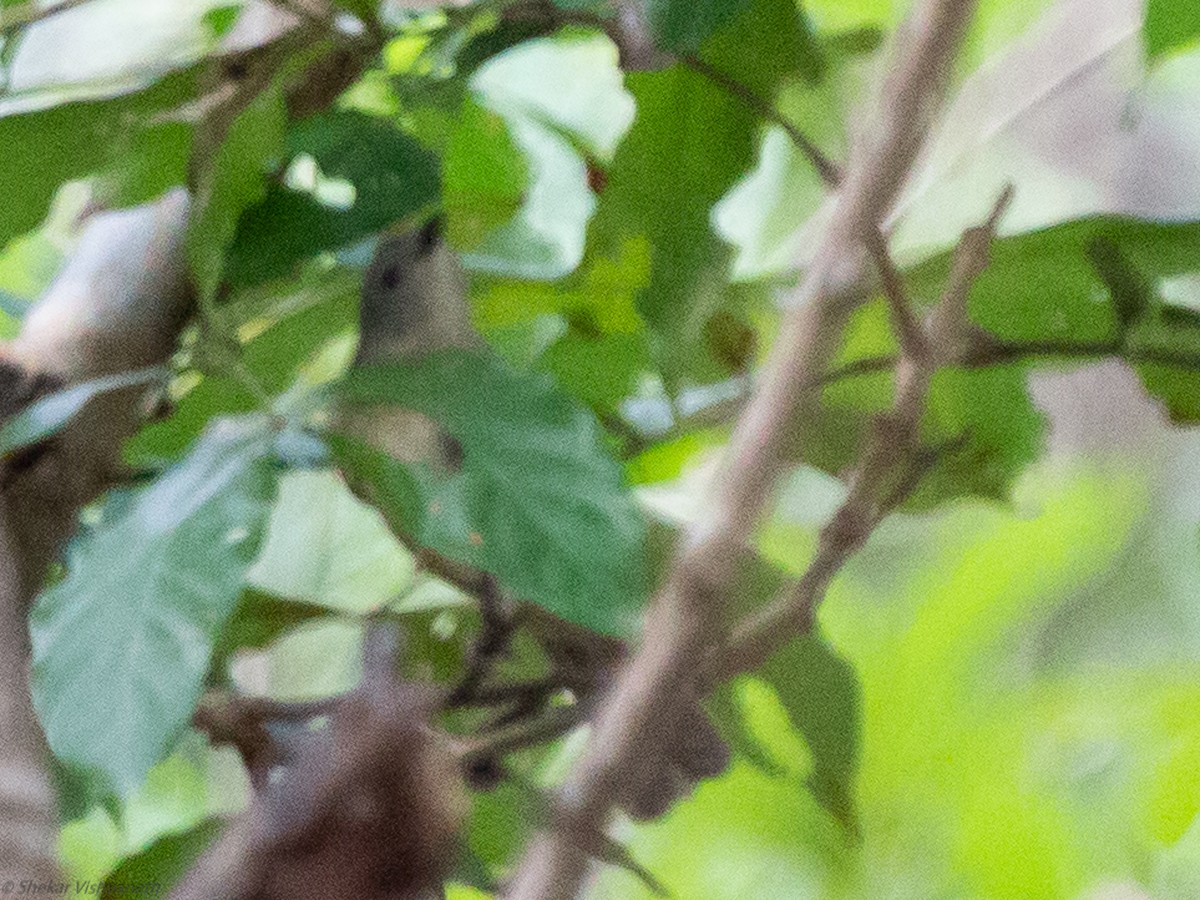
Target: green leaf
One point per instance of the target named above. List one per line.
(726, 713)
(385, 174)
(985, 431)
(49, 147)
(258, 620)
(162, 864)
(537, 501)
(121, 645)
(484, 176)
(324, 546)
(583, 329)
(564, 106)
(220, 19)
(1044, 289)
(50, 414)
(388, 486)
(1128, 289)
(153, 160)
(823, 699)
(1170, 25)
(683, 25)
(231, 184)
(1043, 285)
(691, 141)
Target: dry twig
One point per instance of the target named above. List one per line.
(690, 606)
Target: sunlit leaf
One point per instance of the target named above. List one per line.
(1170, 25)
(588, 110)
(324, 546)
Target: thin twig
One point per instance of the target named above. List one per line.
(909, 332)
(891, 467)
(826, 168)
(524, 734)
(493, 641)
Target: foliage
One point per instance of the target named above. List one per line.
(962, 719)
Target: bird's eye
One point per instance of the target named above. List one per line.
(390, 279)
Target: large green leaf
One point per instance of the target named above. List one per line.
(1054, 289)
(324, 546)
(231, 183)
(1170, 25)
(46, 148)
(389, 176)
(537, 500)
(121, 645)
(1067, 295)
(692, 139)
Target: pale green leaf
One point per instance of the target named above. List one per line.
(121, 645)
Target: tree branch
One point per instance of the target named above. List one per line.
(890, 468)
(909, 333)
(690, 606)
(826, 168)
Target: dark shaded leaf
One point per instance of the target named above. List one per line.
(538, 501)
(392, 176)
(1128, 289)
(682, 26)
(232, 183)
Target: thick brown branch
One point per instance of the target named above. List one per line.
(688, 610)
